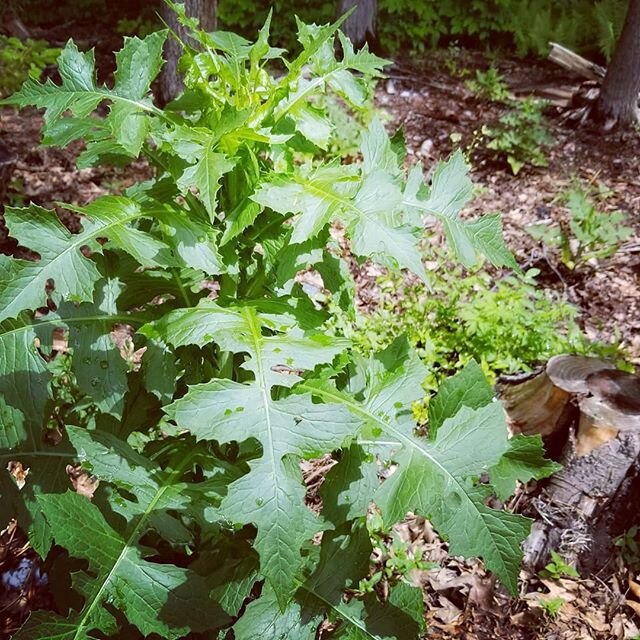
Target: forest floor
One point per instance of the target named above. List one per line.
(440, 113)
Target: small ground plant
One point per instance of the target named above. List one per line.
(462, 317)
(558, 568)
(588, 236)
(203, 373)
(520, 135)
(551, 606)
(21, 60)
(628, 547)
(489, 85)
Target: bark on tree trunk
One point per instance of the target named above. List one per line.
(7, 165)
(617, 105)
(361, 24)
(205, 11)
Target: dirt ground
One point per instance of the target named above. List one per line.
(435, 107)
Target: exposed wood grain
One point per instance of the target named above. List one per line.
(575, 63)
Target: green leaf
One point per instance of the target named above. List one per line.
(348, 487)
(485, 234)
(263, 619)
(326, 72)
(369, 208)
(409, 599)
(23, 282)
(436, 478)
(24, 378)
(192, 239)
(152, 595)
(523, 461)
(160, 370)
(344, 560)
(46, 473)
(451, 190)
(451, 187)
(157, 598)
(112, 460)
(239, 219)
(317, 197)
(377, 151)
(271, 496)
(138, 63)
(112, 217)
(524, 458)
(12, 427)
(468, 388)
(205, 175)
(375, 232)
(24, 385)
(101, 371)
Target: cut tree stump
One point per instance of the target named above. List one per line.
(588, 413)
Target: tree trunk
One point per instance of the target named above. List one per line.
(361, 24)
(617, 105)
(7, 165)
(170, 81)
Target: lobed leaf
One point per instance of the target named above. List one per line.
(127, 124)
(158, 598)
(271, 495)
(436, 479)
(451, 189)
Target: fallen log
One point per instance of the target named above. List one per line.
(575, 63)
(581, 105)
(588, 413)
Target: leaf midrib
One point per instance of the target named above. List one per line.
(316, 82)
(407, 441)
(18, 453)
(256, 337)
(345, 615)
(129, 543)
(81, 240)
(105, 94)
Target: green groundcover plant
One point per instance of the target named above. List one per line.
(461, 317)
(520, 136)
(19, 60)
(588, 236)
(196, 421)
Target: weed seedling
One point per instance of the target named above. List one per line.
(558, 568)
(589, 236)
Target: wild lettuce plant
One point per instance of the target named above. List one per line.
(230, 379)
